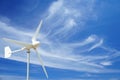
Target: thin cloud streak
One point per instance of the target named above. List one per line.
(96, 45)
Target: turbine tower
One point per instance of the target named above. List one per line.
(27, 46)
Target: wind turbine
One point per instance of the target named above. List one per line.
(27, 46)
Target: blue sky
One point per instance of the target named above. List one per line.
(79, 39)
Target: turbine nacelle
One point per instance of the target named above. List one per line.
(35, 44)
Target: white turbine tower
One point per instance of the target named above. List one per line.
(27, 46)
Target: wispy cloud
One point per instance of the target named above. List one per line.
(69, 16)
(96, 45)
(67, 19)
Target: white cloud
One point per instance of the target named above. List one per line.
(106, 63)
(62, 55)
(66, 16)
(11, 30)
(56, 6)
(70, 23)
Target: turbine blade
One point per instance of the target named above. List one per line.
(42, 64)
(37, 31)
(17, 42)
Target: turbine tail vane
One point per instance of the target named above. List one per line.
(8, 52)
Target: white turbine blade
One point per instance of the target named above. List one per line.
(37, 31)
(17, 42)
(42, 64)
